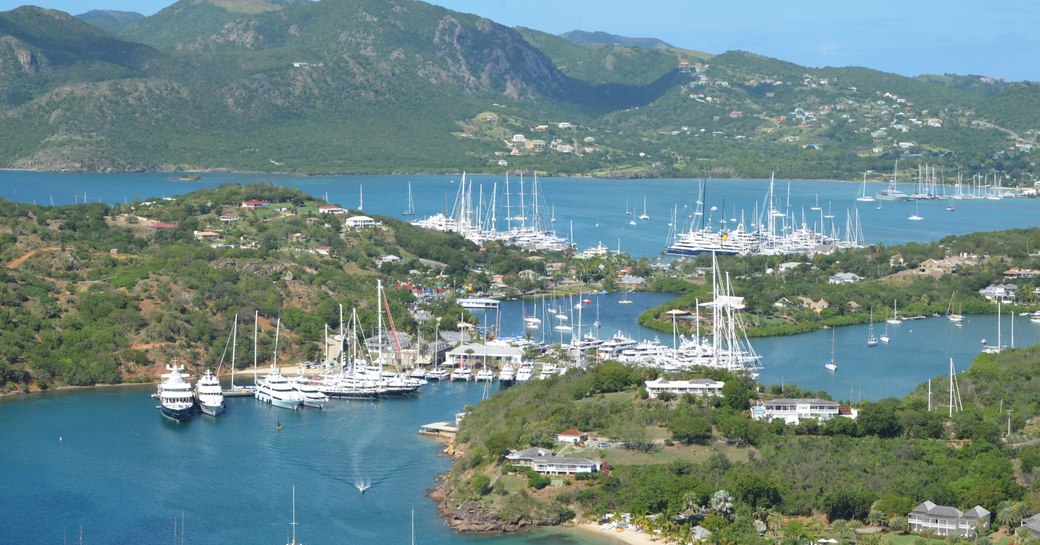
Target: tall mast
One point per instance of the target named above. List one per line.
(234, 340)
(256, 329)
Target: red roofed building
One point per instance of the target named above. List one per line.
(254, 204)
(160, 226)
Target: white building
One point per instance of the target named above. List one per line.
(795, 409)
(844, 278)
(560, 465)
(476, 354)
(697, 387)
(359, 222)
(944, 520)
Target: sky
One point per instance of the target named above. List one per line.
(997, 38)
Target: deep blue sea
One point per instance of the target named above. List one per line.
(596, 208)
(104, 460)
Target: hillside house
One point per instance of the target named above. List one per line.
(572, 436)
(1032, 524)
(253, 204)
(331, 209)
(229, 218)
(1003, 292)
(793, 410)
(359, 222)
(844, 278)
(815, 306)
(945, 521)
(701, 387)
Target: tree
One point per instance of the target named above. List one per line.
(756, 490)
(722, 503)
(690, 429)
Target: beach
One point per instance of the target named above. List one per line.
(628, 537)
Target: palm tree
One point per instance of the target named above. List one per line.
(774, 522)
(722, 503)
(841, 527)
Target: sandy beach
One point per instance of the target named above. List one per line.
(627, 537)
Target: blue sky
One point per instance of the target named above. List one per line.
(909, 37)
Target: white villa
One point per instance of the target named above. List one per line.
(944, 520)
(793, 410)
(359, 222)
(698, 387)
(547, 462)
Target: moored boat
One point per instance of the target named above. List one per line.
(209, 395)
(176, 401)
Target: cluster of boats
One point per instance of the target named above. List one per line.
(773, 231)
(529, 229)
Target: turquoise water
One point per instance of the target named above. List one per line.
(105, 460)
(595, 207)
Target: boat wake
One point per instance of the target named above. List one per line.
(362, 484)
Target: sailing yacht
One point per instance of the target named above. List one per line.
(832, 365)
(885, 338)
(816, 207)
(644, 216)
(624, 299)
(863, 197)
(916, 216)
(174, 394)
(409, 208)
(894, 320)
(209, 395)
(872, 339)
(950, 314)
(892, 193)
(991, 349)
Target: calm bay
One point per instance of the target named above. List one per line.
(104, 459)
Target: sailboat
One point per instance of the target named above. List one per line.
(832, 365)
(293, 523)
(990, 349)
(624, 299)
(644, 216)
(950, 314)
(409, 208)
(830, 212)
(628, 212)
(816, 207)
(361, 198)
(863, 197)
(885, 338)
(872, 339)
(916, 216)
(949, 205)
(894, 320)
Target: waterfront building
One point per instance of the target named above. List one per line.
(476, 354)
(701, 387)
(944, 520)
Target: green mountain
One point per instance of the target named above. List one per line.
(371, 86)
(582, 37)
(111, 21)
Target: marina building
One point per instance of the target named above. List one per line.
(699, 387)
(477, 354)
(944, 520)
